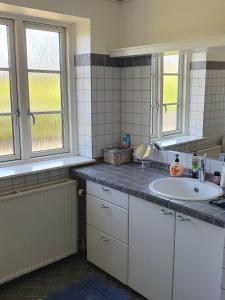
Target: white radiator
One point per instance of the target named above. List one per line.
(37, 227)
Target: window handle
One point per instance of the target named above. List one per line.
(165, 106)
(16, 115)
(32, 116)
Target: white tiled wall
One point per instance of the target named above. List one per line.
(214, 113)
(83, 97)
(196, 103)
(135, 103)
(167, 157)
(112, 100)
(116, 100)
(7, 185)
(105, 108)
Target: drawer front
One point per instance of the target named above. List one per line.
(108, 194)
(107, 253)
(108, 217)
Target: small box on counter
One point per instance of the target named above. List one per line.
(117, 155)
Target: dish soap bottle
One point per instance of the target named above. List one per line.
(194, 165)
(176, 168)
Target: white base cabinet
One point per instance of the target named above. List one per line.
(198, 259)
(161, 254)
(107, 230)
(151, 249)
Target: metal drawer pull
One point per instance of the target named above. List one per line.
(182, 219)
(103, 206)
(104, 239)
(105, 190)
(166, 213)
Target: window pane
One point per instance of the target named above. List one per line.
(47, 132)
(44, 92)
(5, 102)
(43, 49)
(170, 63)
(170, 118)
(170, 89)
(6, 136)
(4, 60)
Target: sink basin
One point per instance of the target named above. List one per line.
(185, 189)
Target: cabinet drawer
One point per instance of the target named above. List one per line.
(108, 217)
(108, 194)
(107, 253)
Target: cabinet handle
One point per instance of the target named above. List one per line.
(103, 238)
(182, 219)
(166, 213)
(103, 206)
(105, 190)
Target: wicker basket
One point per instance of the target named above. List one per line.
(116, 156)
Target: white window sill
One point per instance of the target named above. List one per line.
(34, 167)
(177, 140)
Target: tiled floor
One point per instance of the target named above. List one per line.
(55, 277)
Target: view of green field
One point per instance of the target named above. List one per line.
(170, 91)
(44, 96)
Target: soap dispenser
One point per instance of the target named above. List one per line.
(176, 168)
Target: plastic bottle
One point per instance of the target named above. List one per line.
(194, 165)
(176, 168)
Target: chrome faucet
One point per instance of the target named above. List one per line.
(201, 170)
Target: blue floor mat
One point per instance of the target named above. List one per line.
(92, 288)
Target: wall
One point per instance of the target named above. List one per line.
(136, 98)
(106, 117)
(197, 94)
(138, 22)
(156, 21)
(11, 184)
(98, 103)
(104, 17)
(113, 97)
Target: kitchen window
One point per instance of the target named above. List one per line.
(33, 90)
(169, 94)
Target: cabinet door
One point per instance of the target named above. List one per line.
(151, 249)
(107, 253)
(198, 259)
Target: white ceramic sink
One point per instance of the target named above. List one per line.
(185, 189)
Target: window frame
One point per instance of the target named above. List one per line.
(157, 105)
(63, 86)
(13, 92)
(21, 94)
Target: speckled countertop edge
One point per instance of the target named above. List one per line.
(129, 178)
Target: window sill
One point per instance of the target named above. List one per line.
(177, 140)
(34, 167)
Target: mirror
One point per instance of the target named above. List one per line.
(206, 111)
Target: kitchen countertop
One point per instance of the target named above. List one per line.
(131, 179)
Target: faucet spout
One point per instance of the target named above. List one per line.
(201, 170)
